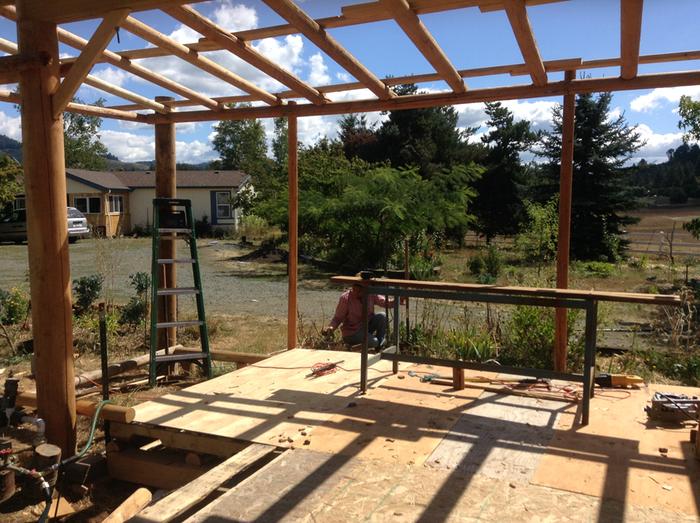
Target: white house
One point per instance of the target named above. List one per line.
(116, 202)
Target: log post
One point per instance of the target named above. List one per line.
(166, 187)
(47, 233)
(293, 183)
(561, 334)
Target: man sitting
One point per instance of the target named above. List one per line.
(348, 315)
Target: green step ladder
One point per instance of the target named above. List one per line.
(172, 218)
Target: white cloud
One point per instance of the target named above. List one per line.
(231, 17)
(319, 70)
(112, 75)
(130, 147)
(194, 152)
(286, 52)
(11, 126)
(656, 143)
(654, 99)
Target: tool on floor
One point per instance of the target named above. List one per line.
(618, 380)
(323, 368)
(172, 219)
(667, 406)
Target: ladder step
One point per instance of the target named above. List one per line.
(174, 231)
(167, 261)
(177, 291)
(181, 357)
(184, 323)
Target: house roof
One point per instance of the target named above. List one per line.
(129, 180)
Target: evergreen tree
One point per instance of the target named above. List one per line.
(83, 148)
(499, 204)
(601, 189)
(358, 138)
(280, 144)
(241, 146)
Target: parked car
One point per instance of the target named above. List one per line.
(13, 227)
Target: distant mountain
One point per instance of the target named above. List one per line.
(10, 147)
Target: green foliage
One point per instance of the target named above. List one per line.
(693, 227)
(87, 289)
(598, 269)
(135, 311)
(640, 263)
(601, 188)
(83, 148)
(252, 226)
(280, 144)
(14, 306)
(676, 178)
(476, 265)
(10, 175)
(241, 145)
(141, 282)
(499, 205)
(202, 228)
(487, 266)
(689, 112)
(538, 241)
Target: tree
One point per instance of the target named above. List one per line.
(358, 138)
(689, 111)
(10, 186)
(499, 205)
(241, 145)
(280, 144)
(601, 190)
(538, 241)
(83, 148)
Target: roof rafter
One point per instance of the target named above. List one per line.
(114, 59)
(310, 28)
(82, 66)
(517, 16)
(191, 18)
(630, 36)
(424, 41)
(205, 64)
(74, 10)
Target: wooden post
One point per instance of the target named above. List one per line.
(561, 334)
(166, 187)
(47, 232)
(293, 230)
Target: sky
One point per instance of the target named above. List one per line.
(589, 29)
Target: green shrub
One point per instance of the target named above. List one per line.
(141, 282)
(87, 289)
(202, 228)
(252, 226)
(422, 268)
(640, 263)
(136, 311)
(599, 269)
(476, 265)
(493, 261)
(14, 306)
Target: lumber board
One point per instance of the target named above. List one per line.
(157, 468)
(630, 36)
(130, 506)
(179, 501)
(625, 297)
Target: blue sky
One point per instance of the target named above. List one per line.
(588, 29)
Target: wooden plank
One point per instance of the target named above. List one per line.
(245, 358)
(149, 34)
(80, 69)
(74, 10)
(153, 468)
(179, 439)
(181, 500)
(630, 36)
(240, 48)
(586, 85)
(293, 227)
(313, 31)
(130, 506)
(627, 297)
(517, 16)
(420, 36)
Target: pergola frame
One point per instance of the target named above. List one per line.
(35, 64)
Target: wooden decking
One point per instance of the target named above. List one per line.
(415, 451)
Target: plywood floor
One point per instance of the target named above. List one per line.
(420, 449)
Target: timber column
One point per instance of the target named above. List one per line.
(293, 226)
(166, 187)
(561, 330)
(47, 233)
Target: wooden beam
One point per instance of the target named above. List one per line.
(293, 229)
(561, 330)
(18, 63)
(47, 235)
(375, 11)
(517, 16)
(73, 10)
(630, 36)
(80, 69)
(191, 18)
(310, 28)
(166, 187)
(493, 94)
(424, 41)
(205, 64)
(116, 60)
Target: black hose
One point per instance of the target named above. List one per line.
(46, 489)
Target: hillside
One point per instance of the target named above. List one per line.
(10, 147)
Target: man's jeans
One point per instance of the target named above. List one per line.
(376, 332)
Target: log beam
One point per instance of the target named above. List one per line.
(81, 68)
(74, 10)
(293, 228)
(561, 330)
(424, 41)
(205, 64)
(47, 233)
(310, 28)
(191, 18)
(517, 16)
(630, 36)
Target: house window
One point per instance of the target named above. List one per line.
(19, 203)
(223, 205)
(88, 205)
(116, 204)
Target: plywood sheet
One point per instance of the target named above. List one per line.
(617, 456)
(310, 486)
(268, 402)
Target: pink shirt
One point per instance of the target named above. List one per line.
(349, 311)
